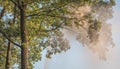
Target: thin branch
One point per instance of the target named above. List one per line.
(49, 10)
(64, 17)
(50, 30)
(14, 2)
(9, 39)
(2, 13)
(37, 13)
(14, 13)
(30, 2)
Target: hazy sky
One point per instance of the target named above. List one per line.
(79, 57)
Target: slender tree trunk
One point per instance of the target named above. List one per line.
(7, 65)
(24, 47)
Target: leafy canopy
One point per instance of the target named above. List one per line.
(45, 18)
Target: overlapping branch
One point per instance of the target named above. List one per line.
(9, 39)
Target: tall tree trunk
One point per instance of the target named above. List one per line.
(7, 65)
(24, 47)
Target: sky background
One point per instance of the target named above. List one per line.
(79, 57)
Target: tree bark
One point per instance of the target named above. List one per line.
(7, 65)
(24, 45)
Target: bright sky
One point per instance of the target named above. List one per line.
(79, 57)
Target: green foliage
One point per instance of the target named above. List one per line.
(3, 49)
(44, 20)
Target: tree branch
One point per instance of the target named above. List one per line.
(30, 2)
(49, 10)
(13, 2)
(64, 17)
(2, 13)
(50, 30)
(9, 39)
(16, 4)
